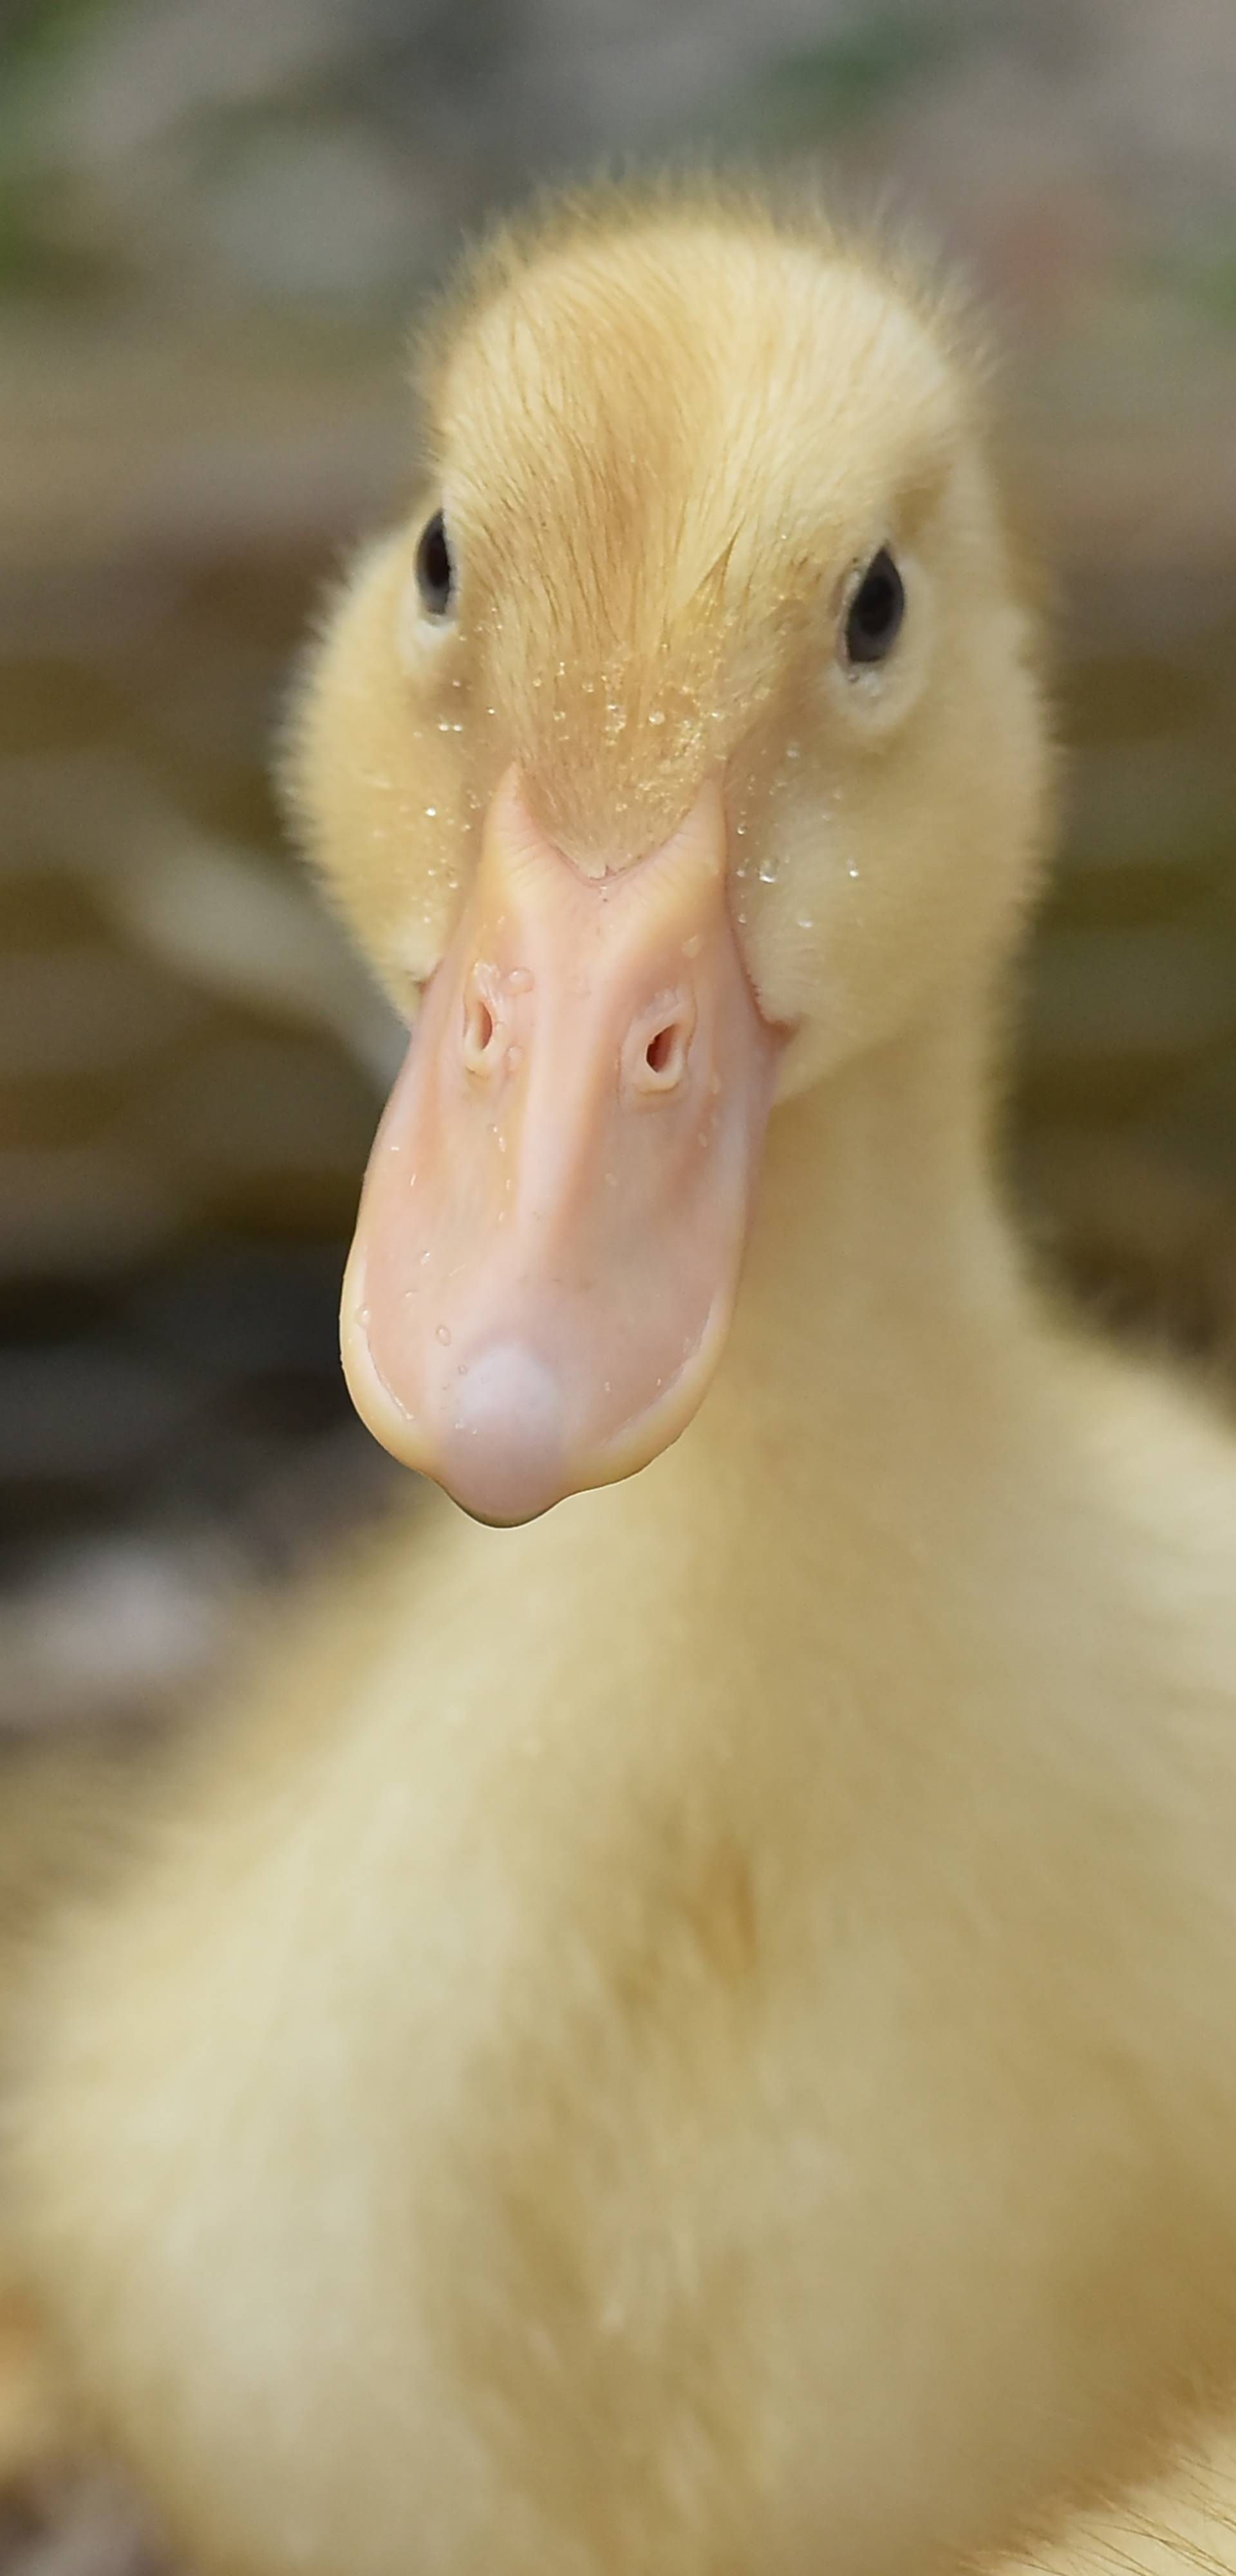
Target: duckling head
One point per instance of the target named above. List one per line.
(683, 744)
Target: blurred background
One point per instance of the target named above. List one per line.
(215, 217)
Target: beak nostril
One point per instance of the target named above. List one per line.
(478, 1035)
(658, 1046)
(665, 1056)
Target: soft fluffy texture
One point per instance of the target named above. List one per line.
(670, 435)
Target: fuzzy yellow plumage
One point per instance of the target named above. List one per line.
(694, 2036)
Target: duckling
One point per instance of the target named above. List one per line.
(679, 2021)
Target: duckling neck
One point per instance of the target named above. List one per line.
(881, 1261)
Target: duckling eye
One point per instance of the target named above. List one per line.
(876, 611)
(435, 570)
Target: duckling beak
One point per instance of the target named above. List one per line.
(553, 1221)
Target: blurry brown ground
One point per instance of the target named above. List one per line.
(214, 216)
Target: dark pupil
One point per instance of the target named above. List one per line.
(876, 612)
(435, 572)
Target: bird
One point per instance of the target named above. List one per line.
(676, 2015)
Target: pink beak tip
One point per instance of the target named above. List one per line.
(503, 1455)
